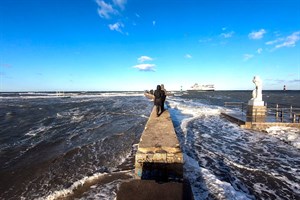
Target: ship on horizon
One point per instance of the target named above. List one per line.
(196, 87)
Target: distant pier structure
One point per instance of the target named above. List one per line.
(256, 116)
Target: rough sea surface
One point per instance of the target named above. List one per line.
(82, 145)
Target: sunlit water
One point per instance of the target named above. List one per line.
(83, 147)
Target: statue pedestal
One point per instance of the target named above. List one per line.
(256, 102)
(256, 111)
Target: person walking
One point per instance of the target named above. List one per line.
(158, 99)
(164, 97)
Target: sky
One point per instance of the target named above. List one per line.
(134, 45)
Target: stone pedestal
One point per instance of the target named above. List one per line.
(256, 113)
(256, 102)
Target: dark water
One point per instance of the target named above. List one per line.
(83, 146)
(47, 144)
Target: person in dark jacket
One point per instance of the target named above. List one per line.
(158, 100)
(164, 97)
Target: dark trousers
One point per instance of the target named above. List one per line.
(158, 109)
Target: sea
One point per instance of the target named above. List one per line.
(81, 145)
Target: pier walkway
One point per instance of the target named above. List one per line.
(159, 148)
(158, 164)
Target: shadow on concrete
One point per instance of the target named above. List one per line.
(151, 190)
(162, 172)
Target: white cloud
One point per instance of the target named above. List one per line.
(120, 3)
(145, 67)
(248, 56)
(154, 22)
(289, 41)
(105, 10)
(255, 35)
(116, 27)
(227, 35)
(274, 41)
(259, 50)
(144, 58)
(188, 56)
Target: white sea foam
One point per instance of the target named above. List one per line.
(71, 95)
(203, 181)
(195, 109)
(77, 118)
(34, 132)
(287, 134)
(210, 183)
(66, 192)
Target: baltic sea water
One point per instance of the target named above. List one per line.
(82, 145)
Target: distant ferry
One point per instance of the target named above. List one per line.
(197, 87)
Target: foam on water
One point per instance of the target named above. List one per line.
(50, 95)
(74, 186)
(287, 134)
(83, 143)
(58, 146)
(227, 162)
(209, 183)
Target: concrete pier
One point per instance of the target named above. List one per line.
(159, 155)
(151, 190)
(158, 164)
(242, 121)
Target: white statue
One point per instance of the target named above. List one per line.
(256, 93)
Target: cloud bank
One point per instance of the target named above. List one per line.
(227, 35)
(145, 67)
(105, 10)
(255, 35)
(248, 56)
(188, 56)
(116, 27)
(144, 58)
(110, 11)
(289, 41)
(120, 3)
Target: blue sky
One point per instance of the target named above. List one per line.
(101, 45)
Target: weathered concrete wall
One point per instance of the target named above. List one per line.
(256, 113)
(262, 126)
(151, 190)
(158, 164)
(159, 151)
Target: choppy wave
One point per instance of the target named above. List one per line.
(287, 134)
(227, 162)
(50, 95)
(83, 147)
(58, 146)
